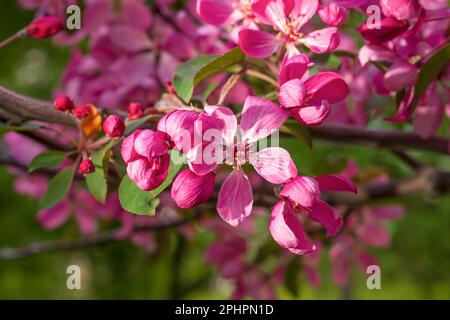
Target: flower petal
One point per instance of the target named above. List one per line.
(257, 43)
(150, 143)
(127, 151)
(400, 75)
(322, 213)
(214, 12)
(334, 182)
(323, 40)
(295, 68)
(292, 93)
(287, 230)
(149, 174)
(328, 86)
(179, 126)
(260, 118)
(203, 159)
(274, 164)
(302, 190)
(229, 121)
(312, 115)
(304, 10)
(235, 199)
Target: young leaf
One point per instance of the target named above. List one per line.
(57, 188)
(430, 71)
(190, 73)
(96, 181)
(46, 160)
(298, 131)
(136, 200)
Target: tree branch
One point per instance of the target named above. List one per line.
(27, 108)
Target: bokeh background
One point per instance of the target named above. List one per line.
(415, 266)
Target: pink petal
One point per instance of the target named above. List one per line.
(322, 213)
(179, 125)
(260, 118)
(204, 158)
(302, 190)
(214, 12)
(235, 199)
(401, 74)
(257, 43)
(400, 9)
(392, 212)
(292, 93)
(229, 120)
(334, 182)
(54, 217)
(136, 14)
(312, 115)
(274, 164)
(149, 174)
(374, 234)
(333, 14)
(150, 143)
(86, 220)
(189, 190)
(295, 68)
(272, 12)
(429, 112)
(372, 52)
(128, 152)
(323, 40)
(287, 230)
(328, 86)
(304, 10)
(129, 38)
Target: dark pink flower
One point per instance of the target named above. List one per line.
(189, 189)
(146, 154)
(308, 99)
(113, 126)
(333, 14)
(287, 17)
(44, 27)
(389, 29)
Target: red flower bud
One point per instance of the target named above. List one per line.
(82, 111)
(86, 166)
(390, 28)
(189, 190)
(64, 103)
(135, 111)
(44, 28)
(113, 126)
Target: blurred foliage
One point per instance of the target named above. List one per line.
(415, 266)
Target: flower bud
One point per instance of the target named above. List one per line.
(64, 103)
(333, 14)
(86, 166)
(389, 29)
(135, 111)
(44, 28)
(82, 111)
(189, 190)
(113, 126)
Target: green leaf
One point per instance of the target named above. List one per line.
(136, 200)
(57, 188)
(96, 181)
(430, 71)
(298, 131)
(292, 277)
(142, 202)
(46, 160)
(190, 73)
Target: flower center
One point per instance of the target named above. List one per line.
(290, 31)
(244, 7)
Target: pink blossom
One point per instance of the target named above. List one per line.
(287, 18)
(44, 27)
(146, 154)
(333, 14)
(308, 100)
(113, 126)
(400, 9)
(390, 28)
(189, 189)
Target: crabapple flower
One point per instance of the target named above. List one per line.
(390, 28)
(301, 195)
(135, 111)
(86, 166)
(145, 153)
(400, 9)
(308, 100)
(113, 126)
(287, 18)
(82, 111)
(189, 189)
(63, 103)
(333, 14)
(44, 27)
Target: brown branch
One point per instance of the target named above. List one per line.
(32, 109)
(378, 138)
(82, 243)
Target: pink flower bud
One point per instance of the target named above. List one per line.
(64, 103)
(189, 190)
(113, 126)
(82, 111)
(86, 166)
(333, 14)
(44, 28)
(400, 9)
(135, 111)
(390, 28)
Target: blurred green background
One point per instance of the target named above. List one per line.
(416, 266)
